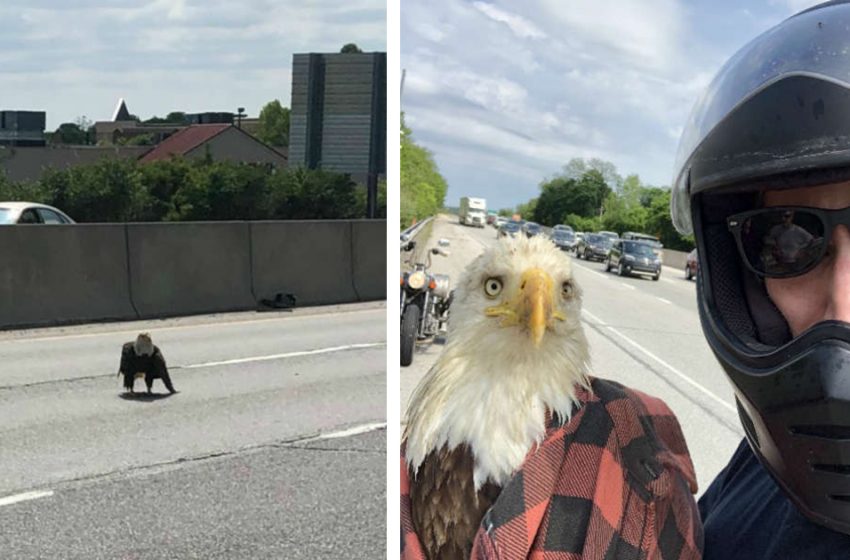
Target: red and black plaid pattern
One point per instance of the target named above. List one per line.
(616, 482)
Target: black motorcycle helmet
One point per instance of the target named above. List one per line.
(776, 115)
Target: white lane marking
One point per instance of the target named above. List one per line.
(353, 431)
(602, 274)
(286, 355)
(684, 377)
(607, 276)
(664, 300)
(36, 338)
(9, 500)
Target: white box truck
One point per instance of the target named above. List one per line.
(473, 211)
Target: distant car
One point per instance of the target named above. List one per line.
(497, 223)
(491, 218)
(594, 246)
(531, 229)
(31, 213)
(630, 257)
(562, 227)
(564, 239)
(509, 229)
(610, 234)
(691, 265)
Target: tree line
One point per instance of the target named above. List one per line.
(191, 190)
(589, 195)
(423, 189)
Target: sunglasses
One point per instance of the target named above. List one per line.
(784, 241)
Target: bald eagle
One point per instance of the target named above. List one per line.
(516, 352)
(141, 358)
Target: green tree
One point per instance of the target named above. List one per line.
(577, 167)
(422, 188)
(350, 48)
(623, 211)
(660, 224)
(564, 194)
(70, 133)
(274, 124)
(312, 194)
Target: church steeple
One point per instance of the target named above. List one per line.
(121, 112)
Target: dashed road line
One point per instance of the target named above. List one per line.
(661, 299)
(329, 350)
(348, 432)
(681, 375)
(26, 496)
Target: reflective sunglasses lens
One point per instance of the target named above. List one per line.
(782, 242)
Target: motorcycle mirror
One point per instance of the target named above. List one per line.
(409, 246)
(443, 242)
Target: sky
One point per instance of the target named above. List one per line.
(74, 58)
(505, 93)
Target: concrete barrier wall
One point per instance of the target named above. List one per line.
(369, 242)
(186, 268)
(311, 259)
(70, 274)
(674, 259)
(60, 274)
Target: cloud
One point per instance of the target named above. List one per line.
(166, 55)
(520, 26)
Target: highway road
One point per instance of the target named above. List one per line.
(274, 446)
(642, 333)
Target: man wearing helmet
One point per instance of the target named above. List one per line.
(763, 182)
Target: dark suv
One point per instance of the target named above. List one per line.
(633, 257)
(594, 247)
(565, 239)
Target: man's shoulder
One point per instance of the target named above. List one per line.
(746, 515)
(634, 412)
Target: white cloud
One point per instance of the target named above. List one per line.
(647, 32)
(520, 26)
(73, 58)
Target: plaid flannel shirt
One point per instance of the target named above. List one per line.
(615, 482)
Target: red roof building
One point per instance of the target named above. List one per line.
(223, 142)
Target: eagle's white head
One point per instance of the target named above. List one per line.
(143, 346)
(515, 348)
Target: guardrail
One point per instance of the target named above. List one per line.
(98, 272)
(414, 230)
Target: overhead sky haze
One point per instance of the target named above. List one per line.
(77, 58)
(505, 93)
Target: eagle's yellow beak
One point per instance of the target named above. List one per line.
(532, 305)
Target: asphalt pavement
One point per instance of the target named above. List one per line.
(642, 333)
(275, 446)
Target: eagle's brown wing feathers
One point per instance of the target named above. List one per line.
(446, 509)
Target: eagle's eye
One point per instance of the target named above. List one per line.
(493, 286)
(567, 290)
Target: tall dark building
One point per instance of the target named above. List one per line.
(22, 128)
(338, 118)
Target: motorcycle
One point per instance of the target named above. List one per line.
(425, 300)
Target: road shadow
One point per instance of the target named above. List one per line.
(144, 397)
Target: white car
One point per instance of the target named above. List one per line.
(31, 213)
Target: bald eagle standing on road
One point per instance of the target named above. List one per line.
(513, 373)
(142, 358)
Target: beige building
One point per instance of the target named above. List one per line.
(223, 142)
